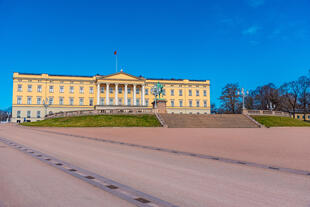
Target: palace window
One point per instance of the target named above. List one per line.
(71, 101)
(164, 92)
(128, 90)
(28, 114)
(204, 103)
(111, 101)
(189, 92)
(39, 88)
(91, 101)
(181, 103)
(204, 92)
(129, 102)
(19, 100)
(61, 100)
(180, 92)
(146, 91)
(29, 100)
(146, 102)
(172, 92)
(91, 90)
(137, 102)
(81, 101)
(51, 89)
(20, 88)
(120, 101)
(61, 89)
(29, 88)
(120, 90)
(190, 103)
(101, 89)
(197, 92)
(197, 103)
(172, 103)
(38, 114)
(71, 89)
(51, 100)
(39, 100)
(137, 90)
(111, 90)
(101, 101)
(81, 89)
(18, 114)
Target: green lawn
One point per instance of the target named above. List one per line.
(145, 120)
(276, 121)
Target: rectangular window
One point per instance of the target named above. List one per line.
(129, 102)
(91, 101)
(172, 103)
(204, 92)
(18, 114)
(137, 90)
(29, 100)
(101, 101)
(164, 92)
(91, 90)
(120, 101)
(61, 89)
(197, 92)
(120, 90)
(19, 100)
(101, 89)
(128, 90)
(29, 88)
(81, 102)
(180, 92)
(197, 103)
(71, 89)
(181, 103)
(204, 103)
(146, 91)
(39, 100)
(71, 101)
(137, 102)
(20, 88)
(39, 88)
(28, 114)
(51, 100)
(111, 101)
(146, 102)
(172, 92)
(190, 103)
(38, 114)
(51, 89)
(189, 92)
(81, 89)
(110, 90)
(61, 100)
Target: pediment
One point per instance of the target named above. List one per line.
(121, 76)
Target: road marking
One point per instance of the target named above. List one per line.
(176, 152)
(124, 192)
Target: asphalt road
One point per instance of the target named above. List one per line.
(181, 180)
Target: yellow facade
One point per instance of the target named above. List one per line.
(69, 93)
(300, 116)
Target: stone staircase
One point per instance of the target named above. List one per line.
(208, 121)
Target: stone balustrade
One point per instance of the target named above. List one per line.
(265, 113)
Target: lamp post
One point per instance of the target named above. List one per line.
(244, 94)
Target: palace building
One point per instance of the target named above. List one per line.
(36, 95)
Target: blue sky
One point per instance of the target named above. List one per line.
(251, 42)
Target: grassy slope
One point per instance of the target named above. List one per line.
(275, 121)
(99, 121)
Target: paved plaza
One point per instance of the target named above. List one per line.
(178, 179)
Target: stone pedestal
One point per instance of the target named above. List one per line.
(160, 106)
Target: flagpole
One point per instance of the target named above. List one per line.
(116, 64)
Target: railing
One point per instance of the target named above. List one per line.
(265, 113)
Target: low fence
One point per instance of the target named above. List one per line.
(101, 112)
(265, 113)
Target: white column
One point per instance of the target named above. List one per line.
(125, 96)
(134, 95)
(143, 95)
(98, 93)
(107, 94)
(116, 93)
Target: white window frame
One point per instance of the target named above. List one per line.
(29, 88)
(81, 89)
(39, 88)
(19, 87)
(29, 100)
(51, 89)
(61, 89)
(19, 100)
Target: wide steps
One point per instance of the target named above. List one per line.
(208, 121)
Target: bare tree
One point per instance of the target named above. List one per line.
(230, 99)
(265, 96)
(304, 85)
(290, 92)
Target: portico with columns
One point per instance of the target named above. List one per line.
(120, 89)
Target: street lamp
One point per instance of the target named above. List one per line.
(244, 94)
(46, 105)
